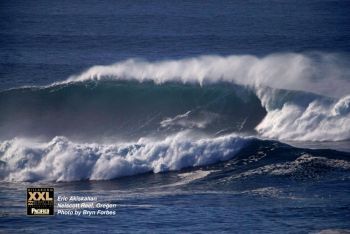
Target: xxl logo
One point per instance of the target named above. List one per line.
(39, 196)
(40, 201)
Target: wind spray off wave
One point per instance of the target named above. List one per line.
(320, 73)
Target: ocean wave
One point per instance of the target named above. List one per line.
(302, 117)
(320, 73)
(298, 97)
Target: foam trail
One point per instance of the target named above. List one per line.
(63, 160)
(184, 120)
(321, 73)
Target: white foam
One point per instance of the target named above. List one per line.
(63, 160)
(319, 121)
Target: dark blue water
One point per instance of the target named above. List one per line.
(179, 157)
(43, 41)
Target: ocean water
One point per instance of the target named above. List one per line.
(191, 116)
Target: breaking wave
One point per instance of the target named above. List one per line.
(138, 116)
(295, 97)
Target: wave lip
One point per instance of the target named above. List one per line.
(62, 160)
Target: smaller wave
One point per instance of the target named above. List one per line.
(63, 160)
(305, 166)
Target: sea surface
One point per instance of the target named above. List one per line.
(191, 116)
